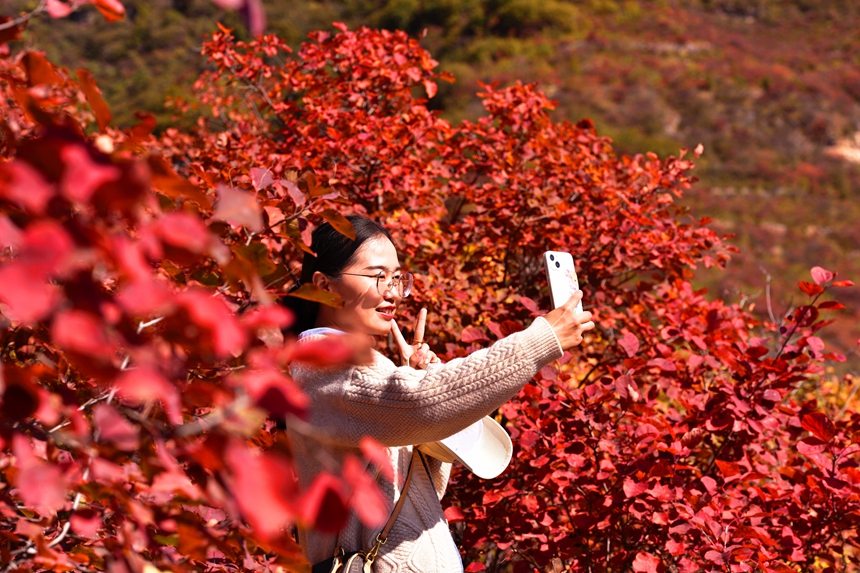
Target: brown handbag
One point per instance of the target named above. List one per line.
(341, 562)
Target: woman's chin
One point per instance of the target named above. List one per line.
(381, 326)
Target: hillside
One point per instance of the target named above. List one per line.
(770, 87)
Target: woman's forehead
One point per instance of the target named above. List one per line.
(376, 253)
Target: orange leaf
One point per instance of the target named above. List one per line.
(819, 425)
(810, 288)
(112, 10)
(39, 70)
(314, 293)
(169, 183)
(340, 223)
(94, 97)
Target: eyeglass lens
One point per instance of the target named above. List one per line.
(402, 284)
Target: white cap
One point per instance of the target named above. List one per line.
(484, 447)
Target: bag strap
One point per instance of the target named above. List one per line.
(383, 535)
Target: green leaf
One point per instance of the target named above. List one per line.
(339, 222)
(315, 294)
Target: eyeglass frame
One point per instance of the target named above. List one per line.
(381, 275)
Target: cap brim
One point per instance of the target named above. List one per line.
(484, 448)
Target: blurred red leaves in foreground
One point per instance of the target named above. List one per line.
(145, 377)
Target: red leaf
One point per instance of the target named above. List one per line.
(91, 90)
(662, 364)
(184, 230)
(261, 178)
(239, 207)
(45, 252)
(24, 186)
(255, 17)
(39, 70)
(819, 425)
(715, 557)
(112, 10)
(366, 500)
(263, 488)
(86, 522)
(26, 300)
(294, 192)
(340, 223)
(58, 9)
(472, 334)
(729, 469)
(270, 315)
(312, 292)
(431, 88)
(377, 454)
(323, 506)
(530, 305)
(11, 236)
(82, 332)
(454, 514)
(332, 351)
(831, 304)
(40, 485)
(629, 343)
(229, 4)
(165, 179)
(646, 563)
(144, 385)
(632, 488)
(82, 176)
(211, 314)
(112, 427)
(843, 283)
(274, 392)
(811, 446)
(475, 566)
(710, 484)
(145, 297)
(810, 288)
(820, 275)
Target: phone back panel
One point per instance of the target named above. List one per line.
(561, 275)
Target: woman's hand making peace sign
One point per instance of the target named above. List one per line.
(417, 354)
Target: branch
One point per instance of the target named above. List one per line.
(42, 7)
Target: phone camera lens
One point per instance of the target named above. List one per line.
(552, 257)
(557, 264)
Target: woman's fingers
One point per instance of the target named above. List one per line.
(420, 323)
(398, 337)
(568, 324)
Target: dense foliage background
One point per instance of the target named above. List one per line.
(145, 380)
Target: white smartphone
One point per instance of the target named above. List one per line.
(561, 275)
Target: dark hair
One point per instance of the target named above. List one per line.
(334, 252)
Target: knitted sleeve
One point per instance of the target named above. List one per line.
(402, 406)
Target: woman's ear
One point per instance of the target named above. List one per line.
(322, 281)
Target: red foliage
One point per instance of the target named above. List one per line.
(142, 354)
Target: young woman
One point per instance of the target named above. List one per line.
(419, 402)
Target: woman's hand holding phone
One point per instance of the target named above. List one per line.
(418, 353)
(568, 324)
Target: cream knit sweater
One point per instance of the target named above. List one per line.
(399, 407)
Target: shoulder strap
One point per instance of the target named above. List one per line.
(396, 511)
(383, 535)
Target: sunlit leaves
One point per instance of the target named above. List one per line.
(88, 83)
(314, 293)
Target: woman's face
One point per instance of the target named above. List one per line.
(365, 311)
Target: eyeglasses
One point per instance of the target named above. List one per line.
(401, 284)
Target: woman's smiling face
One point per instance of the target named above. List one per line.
(365, 310)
